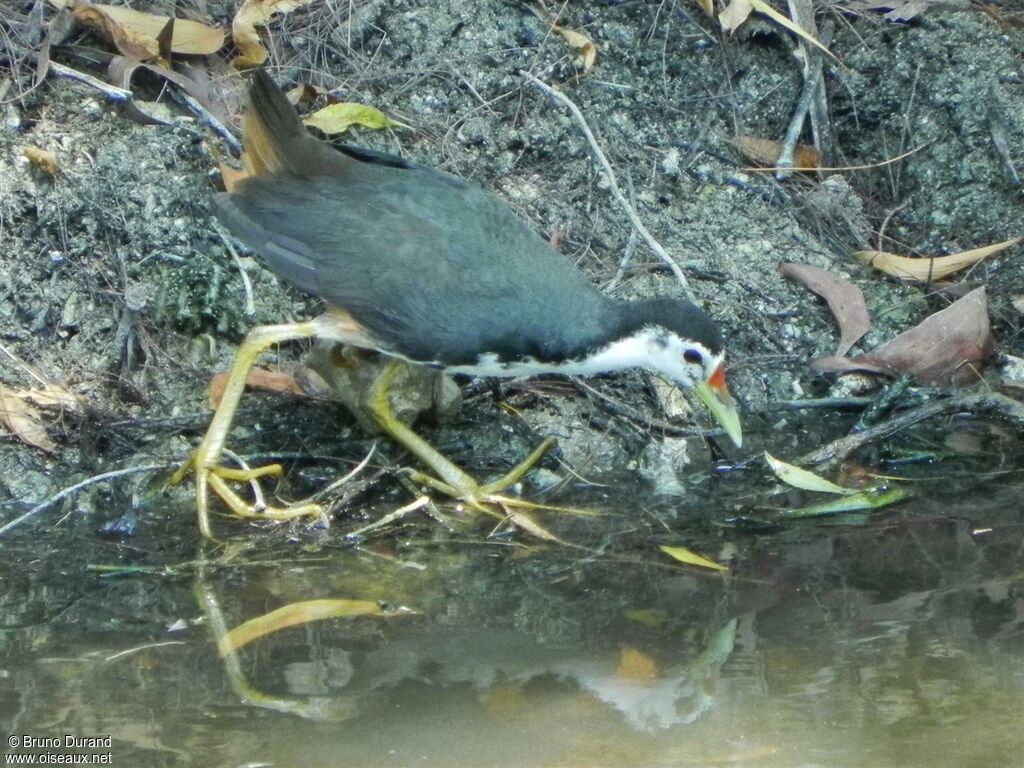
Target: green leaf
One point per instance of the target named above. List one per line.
(874, 499)
(801, 478)
(338, 118)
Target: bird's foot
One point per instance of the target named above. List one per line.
(210, 475)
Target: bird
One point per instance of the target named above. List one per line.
(430, 269)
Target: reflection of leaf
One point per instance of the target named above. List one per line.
(252, 14)
(135, 33)
(636, 666)
(23, 420)
(684, 555)
(927, 269)
(295, 614)
(844, 299)
(338, 118)
(874, 499)
(801, 478)
(946, 348)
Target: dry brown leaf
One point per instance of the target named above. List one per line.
(928, 269)
(23, 420)
(135, 33)
(844, 298)
(767, 151)
(44, 160)
(583, 45)
(252, 14)
(257, 378)
(948, 347)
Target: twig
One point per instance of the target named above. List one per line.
(250, 305)
(389, 518)
(827, 403)
(206, 117)
(70, 490)
(839, 449)
(112, 92)
(812, 96)
(634, 219)
(323, 493)
(24, 366)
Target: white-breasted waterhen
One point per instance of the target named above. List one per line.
(422, 266)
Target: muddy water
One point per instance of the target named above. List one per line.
(891, 640)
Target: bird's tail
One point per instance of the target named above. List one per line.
(275, 140)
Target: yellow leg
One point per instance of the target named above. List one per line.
(450, 479)
(205, 460)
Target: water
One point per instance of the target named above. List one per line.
(896, 641)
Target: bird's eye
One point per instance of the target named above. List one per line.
(693, 356)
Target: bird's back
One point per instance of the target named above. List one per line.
(438, 269)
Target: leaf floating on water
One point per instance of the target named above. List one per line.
(801, 478)
(927, 269)
(844, 298)
(859, 501)
(296, 614)
(684, 555)
(338, 118)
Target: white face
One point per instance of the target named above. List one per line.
(685, 362)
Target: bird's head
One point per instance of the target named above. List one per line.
(680, 341)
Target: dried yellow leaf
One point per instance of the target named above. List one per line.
(252, 14)
(23, 421)
(684, 555)
(338, 118)
(135, 33)
(928, 269)
(43, 159)
(708, 6)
